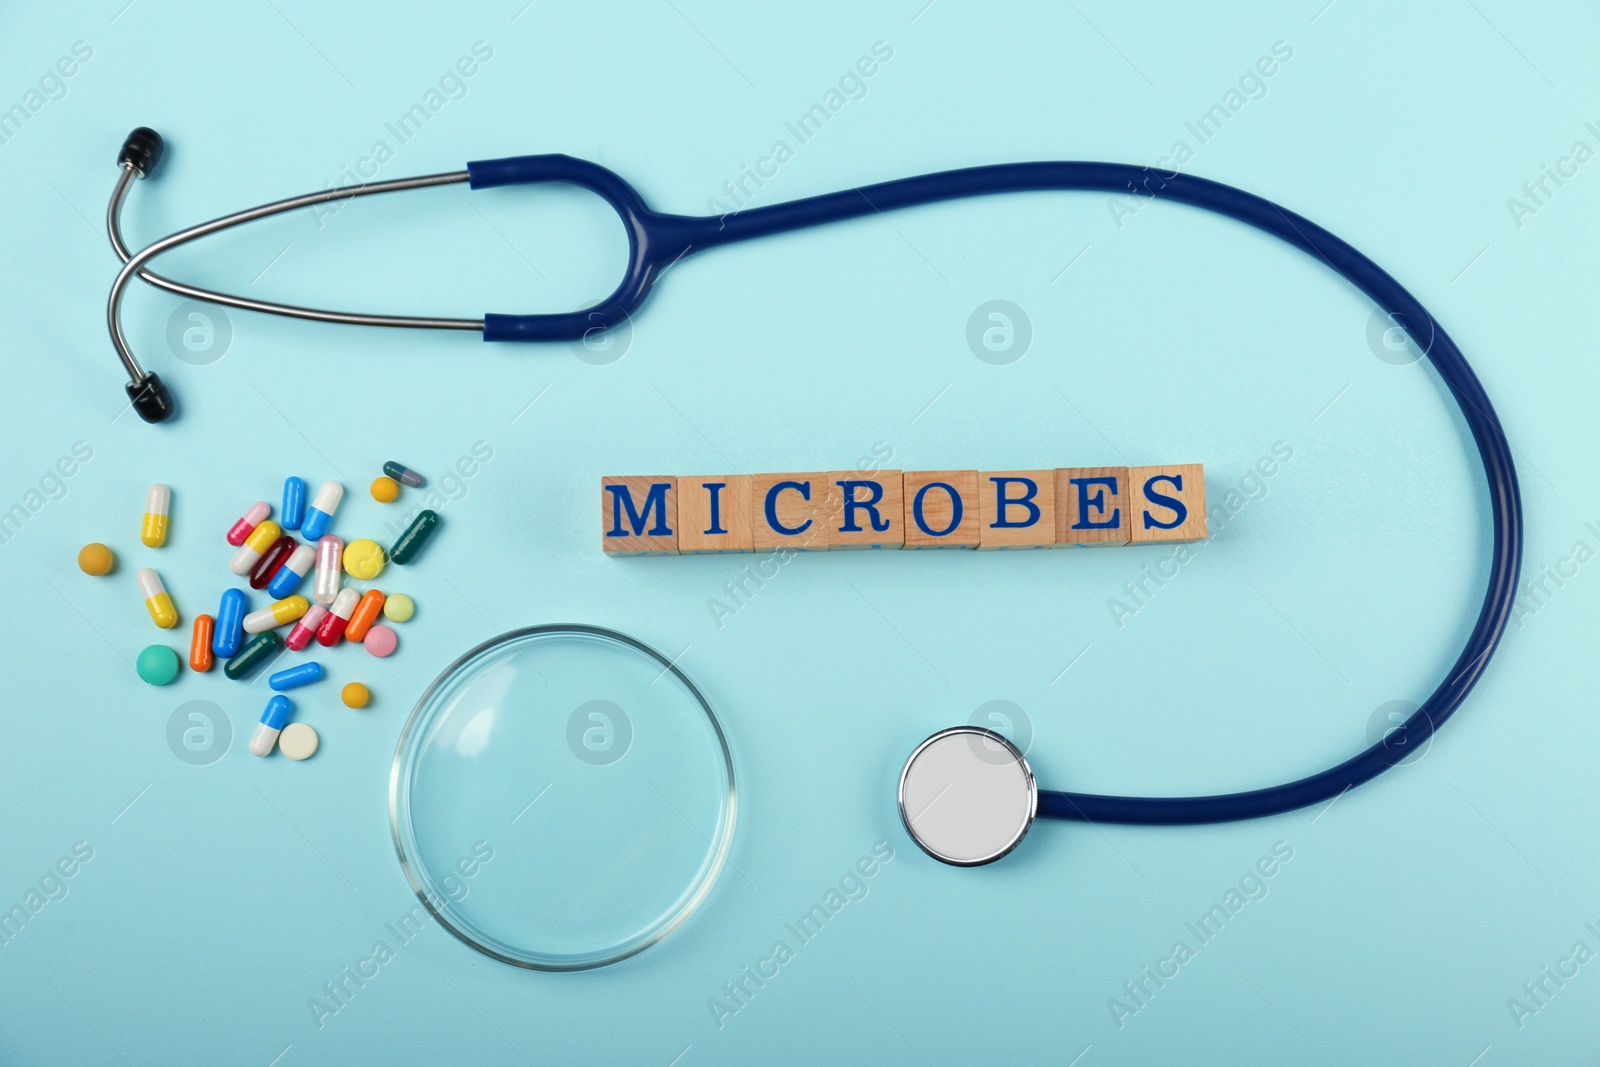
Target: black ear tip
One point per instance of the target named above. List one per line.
(151, 399)
(142, 150)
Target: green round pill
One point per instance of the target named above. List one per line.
(398, 608)
(157, 665)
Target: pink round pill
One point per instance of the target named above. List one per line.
(380, 641)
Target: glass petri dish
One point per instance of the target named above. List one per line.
(562, 798)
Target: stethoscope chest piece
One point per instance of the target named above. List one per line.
(967, 796)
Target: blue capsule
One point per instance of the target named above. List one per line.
(296, 676)
(229, 633)
(320, 515)
(273, 720)
(293, 571)
(294, 503)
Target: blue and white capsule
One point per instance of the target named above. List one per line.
(294, 503)
(320, 515)
(296, 676)
(229, 633)
(293, 571)
(280, 709)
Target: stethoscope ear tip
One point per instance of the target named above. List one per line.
(141, 151)
(150, 398)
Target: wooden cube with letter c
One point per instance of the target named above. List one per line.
(789, 511)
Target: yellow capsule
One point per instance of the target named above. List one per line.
(278, 613)
(262, 536)
(156, 600)
(255, 546)
(154, 530)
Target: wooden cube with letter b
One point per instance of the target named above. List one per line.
(1018, 509)
(639, 515)
(1167, 503)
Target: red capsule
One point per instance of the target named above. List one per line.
(273, 558)
(333, 624)
(241, 529)
(302, 632)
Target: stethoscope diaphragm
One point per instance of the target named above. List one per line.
(967, 796)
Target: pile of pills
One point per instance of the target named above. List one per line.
(269, 557)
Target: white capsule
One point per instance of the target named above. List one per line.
(255, 546)
(153, 530)
(344, 605)
(293, 571)
(319, 516)
(279, 710)
(330, 563)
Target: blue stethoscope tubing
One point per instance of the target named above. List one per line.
(656, 241)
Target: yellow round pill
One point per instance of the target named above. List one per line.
(385, 489)
(96, 559)
(398, 608)
(364, 559)
(355, 695)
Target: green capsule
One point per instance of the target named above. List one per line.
(410, 543)
(253, 655)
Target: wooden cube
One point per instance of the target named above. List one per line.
(866, 510)
(714, 514)
(789, 511)
(1092, 506)
(1167, 503)
(1017, 508)
(639, 515)
(942, 509)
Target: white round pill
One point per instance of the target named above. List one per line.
(298, 741)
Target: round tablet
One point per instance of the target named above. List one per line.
(380, 641)
(157, 665)
(96, 559)
(363, 559)
(967, 796)
(384, 490)
(298, 741)
(355, 695)
(399, 608)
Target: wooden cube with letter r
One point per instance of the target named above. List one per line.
(866, 510)
(639, 515)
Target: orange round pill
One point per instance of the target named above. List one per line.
(384, 490)
(355, 695)
(96, 559)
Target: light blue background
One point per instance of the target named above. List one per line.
(221, 898)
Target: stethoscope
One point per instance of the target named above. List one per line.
(967, 795)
